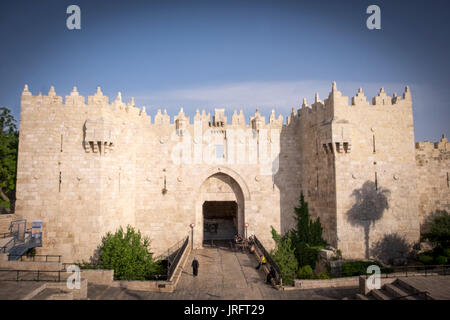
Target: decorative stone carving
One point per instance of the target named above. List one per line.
(98, 136)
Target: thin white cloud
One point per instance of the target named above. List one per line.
(263, 95)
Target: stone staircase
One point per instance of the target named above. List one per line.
(397, 290)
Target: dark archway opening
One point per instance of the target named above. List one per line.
(219, 220)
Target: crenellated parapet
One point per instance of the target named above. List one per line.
(98, 99)
(238, 119)
(74, 99)
(427, 146)
(334, 110)
(162, 118)
(334, 120)
(181, 122)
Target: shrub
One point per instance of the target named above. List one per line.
(446, 252)
(323, 275)
(305, 272)
(425, 259)
(306, 255)
(439, 229)
(284, 257)
(31, 253)
(441, 260)
(127, 253)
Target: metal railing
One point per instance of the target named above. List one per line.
(173, 263)
(425, 270)
(32, 275)
(8, 246)
(270, 261)
(32, 258)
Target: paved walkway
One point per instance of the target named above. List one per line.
(437, 286)
(223, 274)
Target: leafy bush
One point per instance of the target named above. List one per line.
(446, 252)
(31, 253)
(305, 272)
(306, 255)
(425, 259)
(439, 229)
(127, 253)
(284, 257)
(323, 275)
(441, 260)
(9, 143)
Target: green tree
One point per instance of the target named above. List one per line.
(307, 230)
(9, 142)
(284, 257)
(128, 254)
(306, 236)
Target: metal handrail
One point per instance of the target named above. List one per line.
(37, 272)
(445, 269)
(7, 246)
(173, 265)
(33, 257)
(269, 259)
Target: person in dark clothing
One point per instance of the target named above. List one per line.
(195, 266)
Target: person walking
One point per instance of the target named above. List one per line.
(195, 266)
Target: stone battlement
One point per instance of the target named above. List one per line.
(430, 146)
(318, 112)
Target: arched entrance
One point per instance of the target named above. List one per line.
(220, 209)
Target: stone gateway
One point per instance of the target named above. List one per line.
(87, 167)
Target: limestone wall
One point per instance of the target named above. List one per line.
(433, 181)
(87, 167)
(373, 147)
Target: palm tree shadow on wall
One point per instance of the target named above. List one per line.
(370, 203)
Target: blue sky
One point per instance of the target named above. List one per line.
(234, 54)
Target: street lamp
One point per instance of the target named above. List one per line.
(192, 225)
(246, 226)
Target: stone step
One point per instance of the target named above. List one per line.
(406, 286)
(398, 291)
(48, 294)
(380, 294)
(361, 297)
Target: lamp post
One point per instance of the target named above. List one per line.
(192, 225)
(246, 226)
